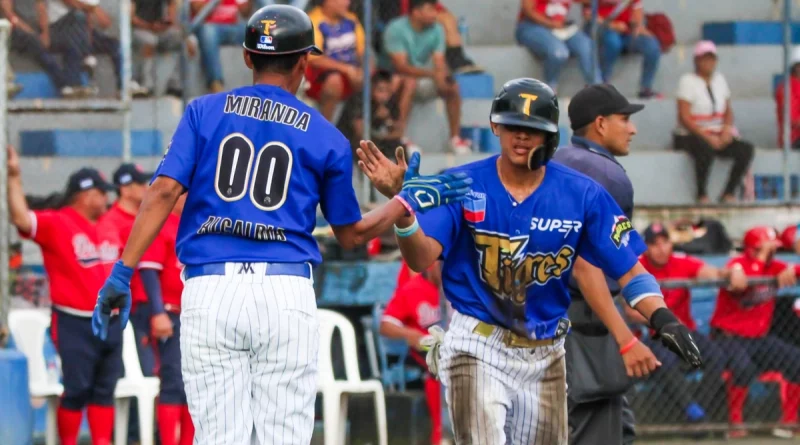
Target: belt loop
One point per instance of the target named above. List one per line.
(311, 273)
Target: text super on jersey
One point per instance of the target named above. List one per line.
(508, 263)
(257, 162)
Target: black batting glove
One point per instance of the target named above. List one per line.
(676, 337)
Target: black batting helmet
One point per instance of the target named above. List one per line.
(530, 103)
(280, 29)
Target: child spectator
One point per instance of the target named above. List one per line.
(543, 29)
(705, 123)
(337, 73)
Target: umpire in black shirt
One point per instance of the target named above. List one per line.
(596, 361)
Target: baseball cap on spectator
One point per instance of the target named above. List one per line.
(131, 174)
(598, 100)
(704, 47)
(84, 179)
(653, 231)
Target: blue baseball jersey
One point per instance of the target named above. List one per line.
(508, 263)
(257, 162)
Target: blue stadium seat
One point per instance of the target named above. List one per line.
(476, 86)
(392, 354)
(63, 142)
(748, 33)
(36, 85)
(489, 142)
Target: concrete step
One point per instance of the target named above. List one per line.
(494, 22)
(748, 69)
(755, 118)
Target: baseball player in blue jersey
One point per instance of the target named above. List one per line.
(509, 251)
(257, 162)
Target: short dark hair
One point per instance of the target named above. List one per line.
(414, 4)
(581, 132)
(381, 76)
(279, 63)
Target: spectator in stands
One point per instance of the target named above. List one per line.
(663, 263)
(414, 47)
(626, 31)
(789, 239)
(794, 104)
(26, 40)
(384, 130)
(705, 123)
(336, 74)
(412, 310)
(156, 29)
(742, 320)
(543, 29)
(223, 26)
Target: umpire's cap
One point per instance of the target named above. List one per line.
(598, 100)
(280, 29)
(530, 103)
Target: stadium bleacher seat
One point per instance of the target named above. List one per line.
(36, 85)
(748, 33)
(476, 86)
(63, 142)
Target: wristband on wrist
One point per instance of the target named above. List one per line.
(628, 346)
(662, 317)
(409, 210)
(407, 231)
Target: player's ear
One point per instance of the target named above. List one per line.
(247, 60)
(494, 128)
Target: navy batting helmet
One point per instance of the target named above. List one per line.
(280, 29)
(529, 103)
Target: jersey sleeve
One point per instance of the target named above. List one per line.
(338, 198)
(692, 266)
(686, 90)
(44, 227)
(155, 257)
(181, 157)
(393, 41)
(609, 240)
(442, 224)
(360, 38)
(440, 39)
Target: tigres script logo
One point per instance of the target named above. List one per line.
(508, 270)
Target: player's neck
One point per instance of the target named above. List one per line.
(520, 182)
(273, 79)
(128, 206)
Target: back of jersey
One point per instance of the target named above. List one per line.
(257, 162)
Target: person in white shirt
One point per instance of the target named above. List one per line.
(705, 123)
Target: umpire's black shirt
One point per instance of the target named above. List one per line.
(596, 162)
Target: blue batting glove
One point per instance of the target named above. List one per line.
(115, 294)
(423, 193)
(413, 168)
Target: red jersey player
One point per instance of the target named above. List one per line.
(131, 181)
(741, 320)
(660, 260)
(161, 276)
(78, 255)
(412, 310)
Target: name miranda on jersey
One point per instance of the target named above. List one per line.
(245, 229)
(266, 110)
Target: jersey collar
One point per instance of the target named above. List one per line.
(594, 147)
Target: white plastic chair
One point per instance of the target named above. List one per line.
(29, 327)
(336, 393)
(134, 384)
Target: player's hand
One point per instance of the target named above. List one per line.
(115, 294)
(640, 360)
(12, 162)
(432, 343)
(787, 278)
(415, 340)
(618, 26)
(385, 175)
(423, 193)
(714, 141)
(160, 326)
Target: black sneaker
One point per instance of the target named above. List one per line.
(459, 63)
(174, 92)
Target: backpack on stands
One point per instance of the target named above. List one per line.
(706, 237)
(661, 26)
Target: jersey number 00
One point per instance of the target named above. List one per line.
(271, 173)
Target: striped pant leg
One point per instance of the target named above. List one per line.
(475, 373)
(215, 358)
(284, 363)
(539, 414)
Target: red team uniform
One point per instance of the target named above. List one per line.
(415, 305)
(678, 300)
(741, 324)
(78, 255)
(174, 421)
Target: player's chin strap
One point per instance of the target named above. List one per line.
(541, 154)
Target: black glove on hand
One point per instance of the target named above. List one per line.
(676, 337)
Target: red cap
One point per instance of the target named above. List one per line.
(788, 237)
(759, 235)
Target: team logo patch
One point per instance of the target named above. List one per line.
(266, 39)
(475, 209)
(508, 270)
(621, 231)
(269, 25)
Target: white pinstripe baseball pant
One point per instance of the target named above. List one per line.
(500, 395)
(249, 346)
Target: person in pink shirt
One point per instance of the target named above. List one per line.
(224, 26)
